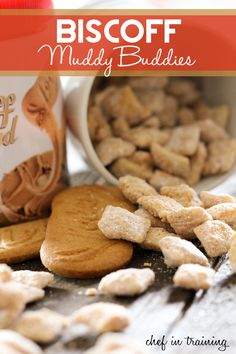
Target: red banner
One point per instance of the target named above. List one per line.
(117, 43)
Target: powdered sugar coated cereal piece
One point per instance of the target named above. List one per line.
(152, 100)
(119, 126)
(210, 199)
(114, 343)
(232, 254)
(42, 326)
(159, 205)
(194, 276)
(177, 251)
(152, 122)
(35, 279)
(185, 220)
(127, 282)
(221, 156)
(142, 158)
(197, 162)
(186, 116)
(155, 221)
(211, 131)
(147, 83)
(168, 117)
(103, 317)
(219, 114)
(169, 161)
(30, 293)
(124, 103)
(160, 179)
(125, 166)
(119, 223)
(184, 89)
(133, 188)
(91, 292)
(5, 273)
(98, 127)
(12, 303)
(112, 148)
(180, 86)
(184, 140)
(190, 98)
(13, 343)
(225, 212)
(154, 235)
(183, 194)
(143, 137)
(215, 237)
(100, 96)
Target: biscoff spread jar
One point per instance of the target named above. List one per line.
(32, 145)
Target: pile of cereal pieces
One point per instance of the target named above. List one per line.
(161, 130)
(168, 222)
(21, 329)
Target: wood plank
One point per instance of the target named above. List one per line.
(161, 311)
(157, 310)
(213, 313)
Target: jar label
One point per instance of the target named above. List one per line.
(31, 146)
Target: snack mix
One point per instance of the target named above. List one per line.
(171, 221)
(161, 130)
(158, 137)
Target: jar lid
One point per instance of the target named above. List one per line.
(26, 4)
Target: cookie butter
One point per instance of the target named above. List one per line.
(31, 146)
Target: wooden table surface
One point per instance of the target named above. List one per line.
(164, 310)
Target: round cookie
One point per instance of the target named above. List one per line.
(21, 242)
(74, 246)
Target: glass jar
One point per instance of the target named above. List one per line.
(32, 127)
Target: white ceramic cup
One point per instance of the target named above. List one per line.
(216, 90)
